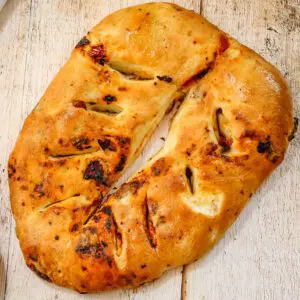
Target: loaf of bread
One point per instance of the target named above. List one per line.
(230, 133)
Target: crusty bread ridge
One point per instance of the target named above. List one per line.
(231, 131)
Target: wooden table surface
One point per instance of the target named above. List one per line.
(259, 257)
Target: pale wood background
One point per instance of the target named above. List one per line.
(259, 257)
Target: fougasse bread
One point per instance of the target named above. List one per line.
(231, 131)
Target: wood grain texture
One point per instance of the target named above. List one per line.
(259, 257)
(14, 24)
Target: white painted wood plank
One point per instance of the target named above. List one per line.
(14, 22)
(55, 27)
(259, 257)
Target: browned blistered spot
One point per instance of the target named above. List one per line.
(190, 149)
(265, 146)
(155, 171)
(74, 228)
(121, 165)
(124, 280)
(24, 188)
(81, 143)
(83, 42)
(108, 224)
(162, 220)
(96, 219)
(46, 149)
(123, 141)
(61, 141)
(275, 158)
(39, 189)
(79, 104)
(11, 170)
(295, 128)
(144, 278)
(91, 229)
(108, 276)
(104, 76)
(106, 210)
(107, 144)
(158, 167)
(122, 88)
(47, 164)
(249, 133)
(95, 171)
(237, 160)
(225, 143)
(61, 162)
(33, 257)
(104, 244)
(210, 149)
(84, 248)
(39, 273)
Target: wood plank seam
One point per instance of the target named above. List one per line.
(183, 282)
(184, 267)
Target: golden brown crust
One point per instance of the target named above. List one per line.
(231, 131)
